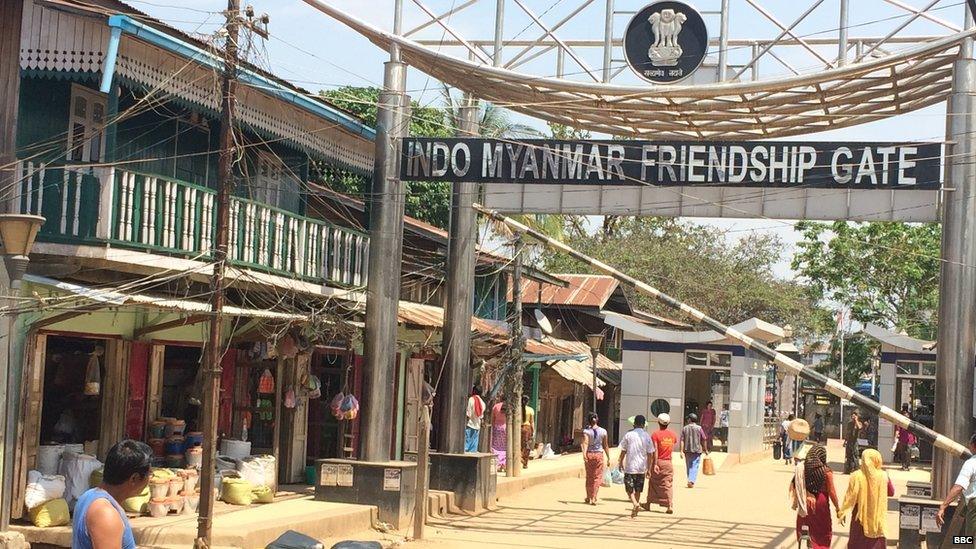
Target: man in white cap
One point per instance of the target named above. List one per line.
(660, 489)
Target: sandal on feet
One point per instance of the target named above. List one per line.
(670, 511)
(633, 512)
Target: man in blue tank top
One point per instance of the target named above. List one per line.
(99, 521)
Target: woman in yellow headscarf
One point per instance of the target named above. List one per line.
(867, 494)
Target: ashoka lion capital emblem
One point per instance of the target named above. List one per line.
(666, 24)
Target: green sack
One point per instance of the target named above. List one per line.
(95, 480)
(50, 513)
(137, 504)
(237, 491)
(263, 494)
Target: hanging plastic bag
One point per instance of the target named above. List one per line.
(350, 407)
(607, 479)
(93, 374)
(314, 387)
(266, 383)
(290, 399)
(336, 402)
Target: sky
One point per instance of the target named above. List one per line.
(313, 51)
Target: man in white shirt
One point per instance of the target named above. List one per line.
(636, 461)
(472, 429)
(965, 486)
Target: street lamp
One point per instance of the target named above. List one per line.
(17, 232)
(596, 342)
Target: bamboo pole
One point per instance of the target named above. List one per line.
(833, 387)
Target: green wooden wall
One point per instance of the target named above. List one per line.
(43, 118)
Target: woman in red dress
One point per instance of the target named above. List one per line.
(813, 491)
(708, 423)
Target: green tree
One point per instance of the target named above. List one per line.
(886, 273)
(493, 122)
(858, 351)
(697, 264)
(426, 200)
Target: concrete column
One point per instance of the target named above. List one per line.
(456, 380)
(957, 284)
(386, 204)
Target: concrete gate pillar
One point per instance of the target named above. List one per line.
(957, 282)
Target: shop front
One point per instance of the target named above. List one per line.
(123, 368)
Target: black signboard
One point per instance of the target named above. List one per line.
(668, 163)
(666, 42)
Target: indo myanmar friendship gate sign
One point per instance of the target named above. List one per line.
(833, 180)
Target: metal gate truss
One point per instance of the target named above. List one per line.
(845, 80)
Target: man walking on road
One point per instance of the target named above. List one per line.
(636, 458)
(851, 435)
(692, 442)
(818, 429)
(784, 439)
(660, 489)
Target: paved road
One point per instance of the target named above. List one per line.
(742, 506)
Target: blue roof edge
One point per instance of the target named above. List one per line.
(161, 39)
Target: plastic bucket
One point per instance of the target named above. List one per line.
(194, 457)
(175, 445)
(194, 439)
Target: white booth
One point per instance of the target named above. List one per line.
(678, 371)
(907, 377)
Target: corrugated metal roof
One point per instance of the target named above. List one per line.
(584, 290)
(574, 369)
(431, 316)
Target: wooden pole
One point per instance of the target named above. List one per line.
(423, 458)
(11, 14)
(518, 346)
(214, 350)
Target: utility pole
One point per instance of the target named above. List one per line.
(386, 205)
(11, 15)
(842, 312)
(513, 458)
(423, 468)
(214, 350)
(957, 280)
(459, 306)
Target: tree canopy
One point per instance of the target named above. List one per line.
(426, 200)
(886, 273)
(697, 264)
(858, 353)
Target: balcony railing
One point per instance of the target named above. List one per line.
(164, 215)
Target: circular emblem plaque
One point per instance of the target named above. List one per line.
(666, 42)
